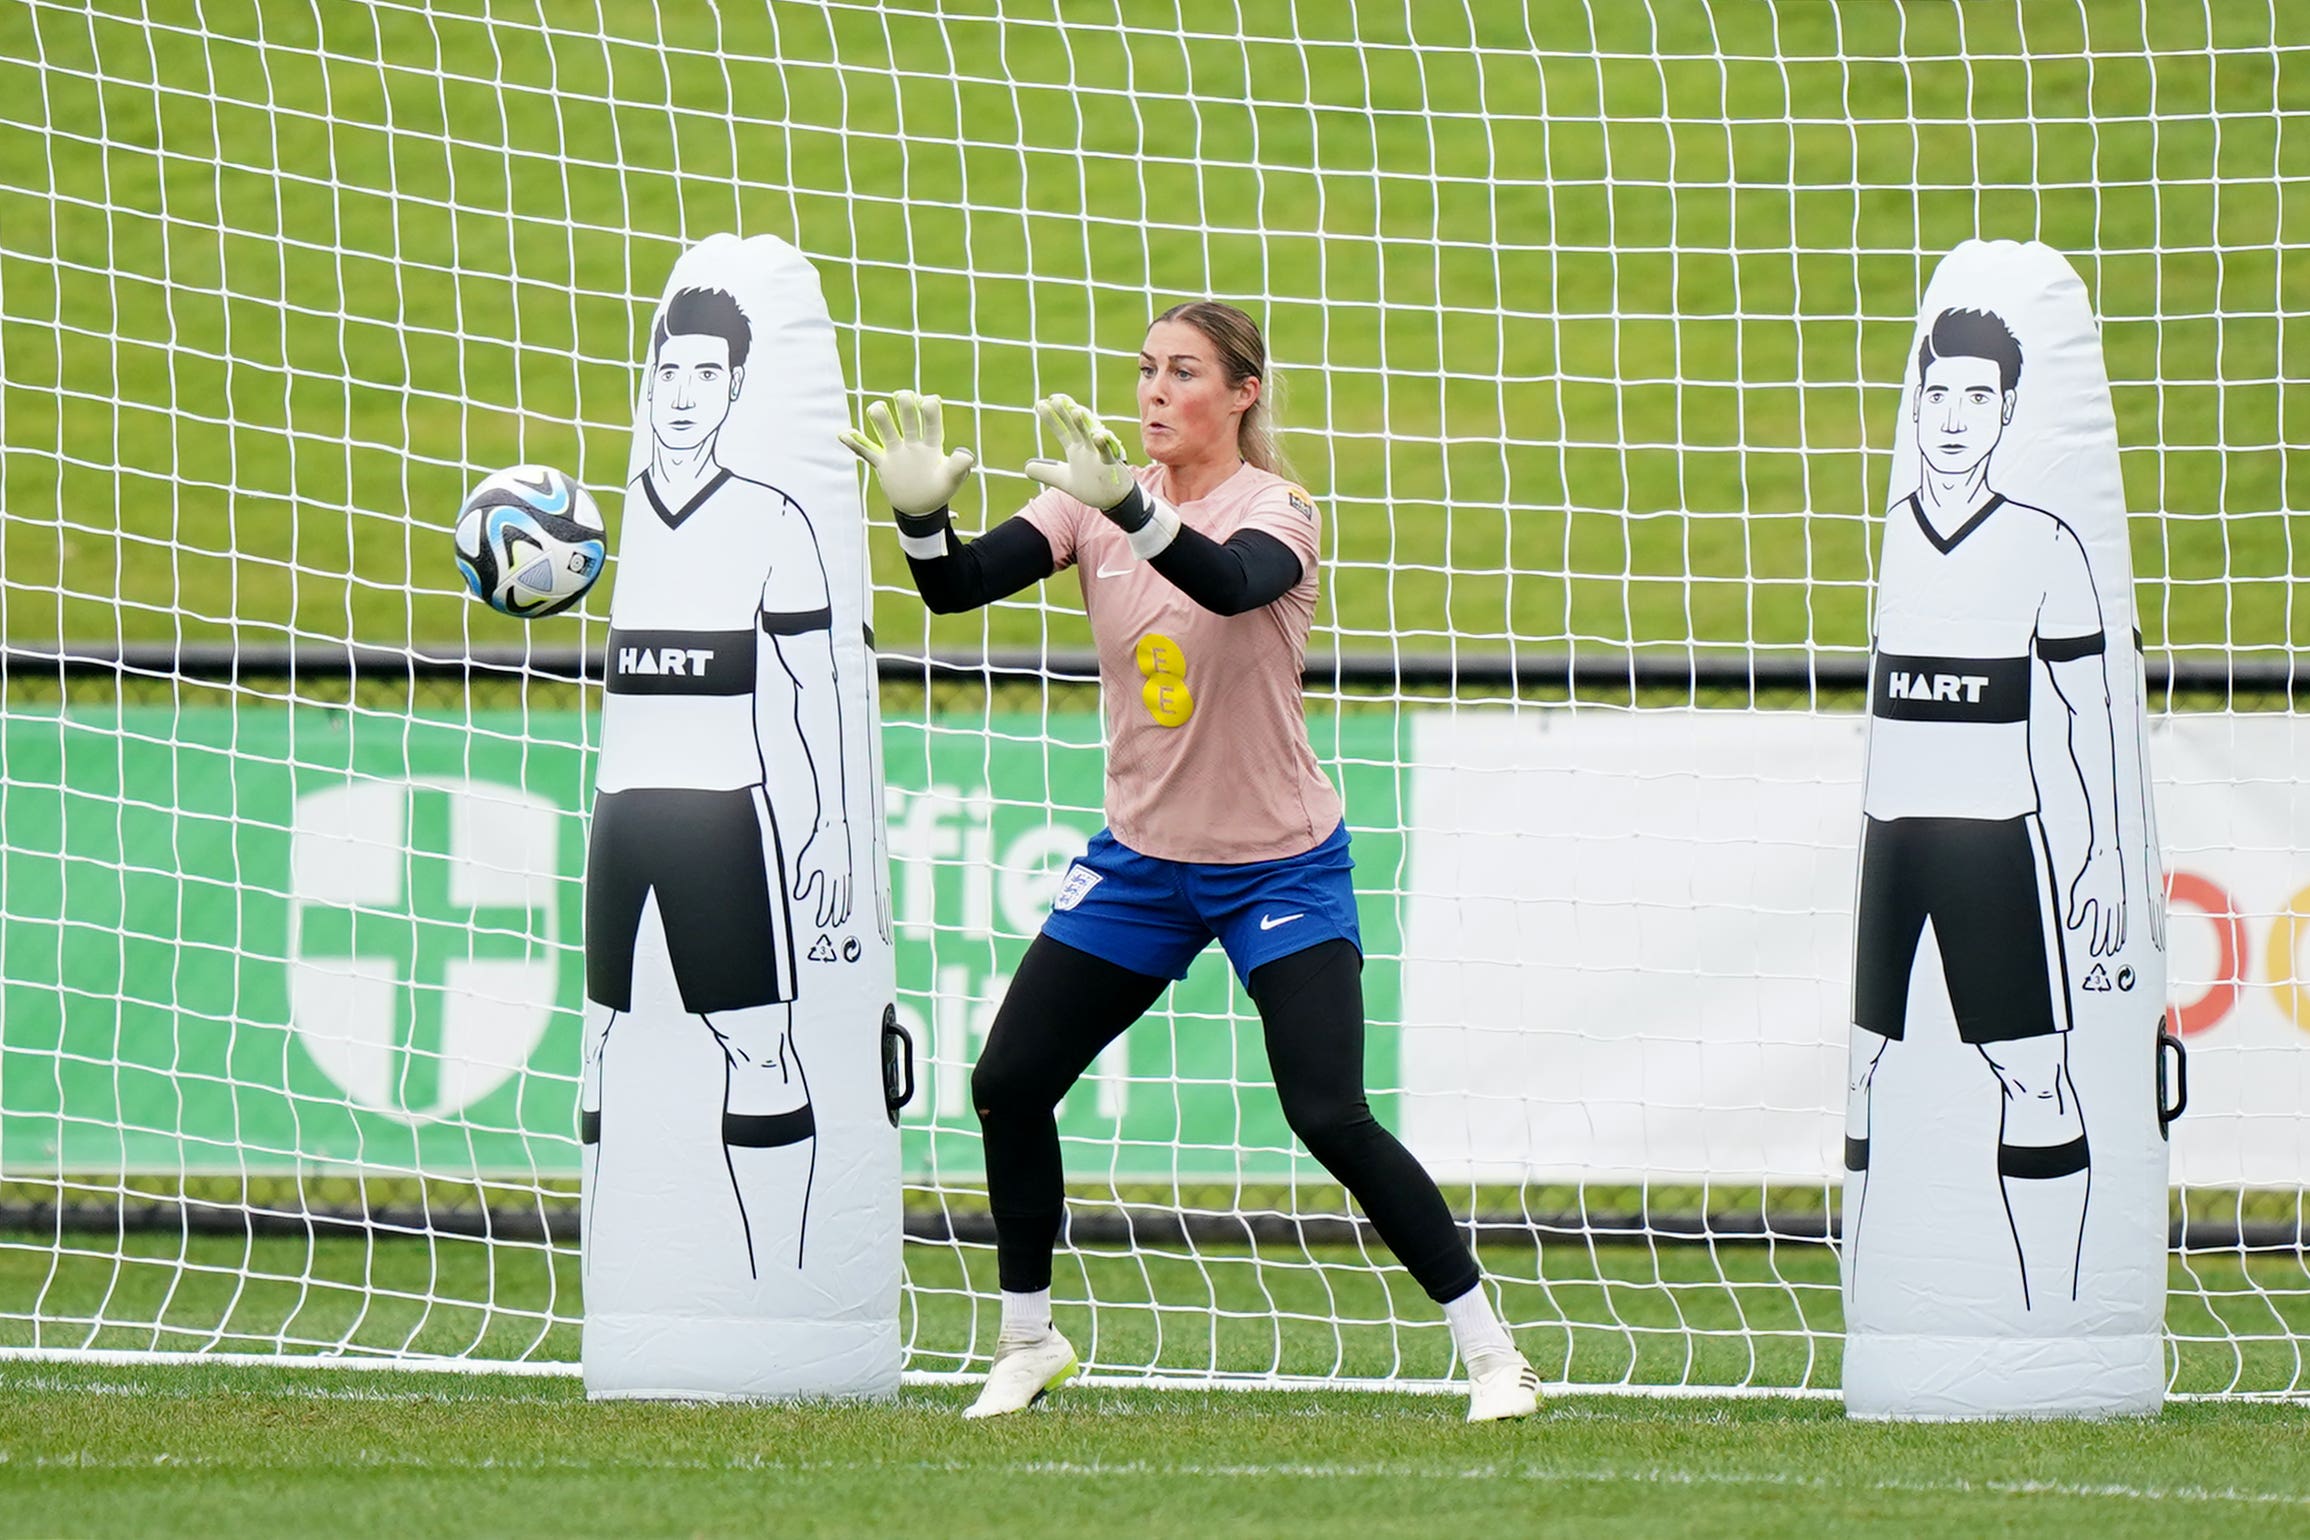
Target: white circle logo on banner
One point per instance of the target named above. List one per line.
(423, 963)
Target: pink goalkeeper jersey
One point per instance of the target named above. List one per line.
(1207, 751)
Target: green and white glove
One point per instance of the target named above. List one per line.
(1095, 473)
(917, 474)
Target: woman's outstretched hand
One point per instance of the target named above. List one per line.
(917, 474)
(1094, 471)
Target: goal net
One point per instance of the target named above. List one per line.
(1589, 321)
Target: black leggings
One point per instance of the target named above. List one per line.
(1065, 1005)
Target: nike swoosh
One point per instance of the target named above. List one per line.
(1270, 922)
(1114, 572)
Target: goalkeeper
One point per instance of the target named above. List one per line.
(1199, 577)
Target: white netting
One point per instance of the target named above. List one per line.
(1590, 322)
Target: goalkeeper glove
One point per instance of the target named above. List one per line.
(917, 474)
(1094, 473)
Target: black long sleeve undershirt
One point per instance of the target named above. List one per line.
(1251, 569)
(1010, 557)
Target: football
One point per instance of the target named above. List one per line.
(530, 542)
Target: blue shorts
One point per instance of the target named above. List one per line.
(1154, 916)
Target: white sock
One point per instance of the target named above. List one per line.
(1026, 1315)
(1475, 1329)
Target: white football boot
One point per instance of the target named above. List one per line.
(1501, 1385)
(1024, 1369)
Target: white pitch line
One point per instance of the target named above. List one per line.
(482, 1370)
(285, 1390)
(1651, 1476)
(127, 1358)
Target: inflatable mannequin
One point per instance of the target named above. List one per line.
(2005, 1194)
(741, 1201)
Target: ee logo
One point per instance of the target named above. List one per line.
(1168, 699)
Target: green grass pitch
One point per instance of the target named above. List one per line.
(1590, 1313)
(1587, 315)
(122, 1447)
(104, 1449)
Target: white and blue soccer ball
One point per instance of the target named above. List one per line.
(530, 542)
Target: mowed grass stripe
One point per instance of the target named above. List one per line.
(1385, 1470)
(1589, 322)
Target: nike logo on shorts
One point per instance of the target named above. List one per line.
(1271, 921)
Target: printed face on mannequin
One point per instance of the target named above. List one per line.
(691, 388)
(1188, 409)
(1960, 413)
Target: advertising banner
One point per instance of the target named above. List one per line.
(313, 939)
(1625, 944)
(1628, 940)
(318, 939)
(272, 940)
